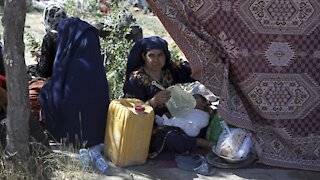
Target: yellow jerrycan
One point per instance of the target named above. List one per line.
(128, 132)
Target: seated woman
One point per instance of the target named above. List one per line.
(150, 60)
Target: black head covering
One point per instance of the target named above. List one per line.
(143, 46)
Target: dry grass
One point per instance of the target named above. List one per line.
(45, 164)
(36, 166)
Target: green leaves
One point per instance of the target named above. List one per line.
(32, 42)
(114, 47)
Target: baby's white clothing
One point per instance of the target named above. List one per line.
(191, 123)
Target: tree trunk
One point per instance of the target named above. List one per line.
(18, 110)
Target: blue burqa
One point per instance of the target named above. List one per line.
(75, 100)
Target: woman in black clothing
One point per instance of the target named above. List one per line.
(53, 14)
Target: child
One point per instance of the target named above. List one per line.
(192, 122)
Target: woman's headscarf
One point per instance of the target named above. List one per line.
(143, 46)
(52, 15)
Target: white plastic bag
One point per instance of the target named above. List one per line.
(180, 101)
(244, 148)
(230, 142)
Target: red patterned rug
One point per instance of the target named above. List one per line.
(262, 58)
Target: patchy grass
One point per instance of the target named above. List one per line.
(150, 24)
(34, 27)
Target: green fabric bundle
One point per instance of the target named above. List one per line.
(214, 129)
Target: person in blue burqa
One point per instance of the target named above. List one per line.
(74, 102)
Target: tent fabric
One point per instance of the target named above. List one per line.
(262, 58)
(76, 98)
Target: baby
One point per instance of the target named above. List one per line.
(193, 121)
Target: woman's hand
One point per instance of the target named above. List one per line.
(160, 98)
